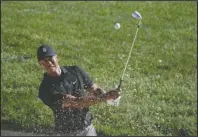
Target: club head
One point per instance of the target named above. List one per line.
(136, 15)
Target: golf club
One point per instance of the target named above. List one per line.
(136, 15)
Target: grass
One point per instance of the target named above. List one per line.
(159, 91)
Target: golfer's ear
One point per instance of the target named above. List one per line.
(56, 57)
(39, 62)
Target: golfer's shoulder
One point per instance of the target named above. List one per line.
(44, 81)
(72, 68)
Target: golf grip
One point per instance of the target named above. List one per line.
(118, 88)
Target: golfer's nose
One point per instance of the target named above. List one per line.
(49, 62)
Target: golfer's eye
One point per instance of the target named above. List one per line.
(42, 62)
(49, 59)
(45, 61)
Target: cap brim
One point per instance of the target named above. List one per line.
(46, 55)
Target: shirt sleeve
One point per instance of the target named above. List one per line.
(88, 82)
(44, 95)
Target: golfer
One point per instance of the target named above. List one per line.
(69, 91)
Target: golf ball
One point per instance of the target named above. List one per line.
(117, 26)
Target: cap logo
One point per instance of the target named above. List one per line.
(44, 50)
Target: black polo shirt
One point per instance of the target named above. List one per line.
(72, 80)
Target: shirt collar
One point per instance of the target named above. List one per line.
(63, 70)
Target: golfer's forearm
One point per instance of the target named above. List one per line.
(84, 101)
(89, 100)
(96, 90)
(100, 91)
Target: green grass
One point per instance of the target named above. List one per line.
(158, 98)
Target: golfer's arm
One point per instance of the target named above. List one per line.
(81, 102)
(96, 95)
(96, 90)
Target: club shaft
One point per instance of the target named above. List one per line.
(122, 77)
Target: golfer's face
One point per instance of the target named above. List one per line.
(49, 64)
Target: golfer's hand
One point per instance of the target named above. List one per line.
(67, 101)
(112, 94)
(114, 102)
(115, 94)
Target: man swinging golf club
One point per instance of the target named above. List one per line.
(63, 90)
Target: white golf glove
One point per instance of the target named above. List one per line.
(114, 102)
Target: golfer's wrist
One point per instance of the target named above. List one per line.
(100, 91)
(102, 97)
